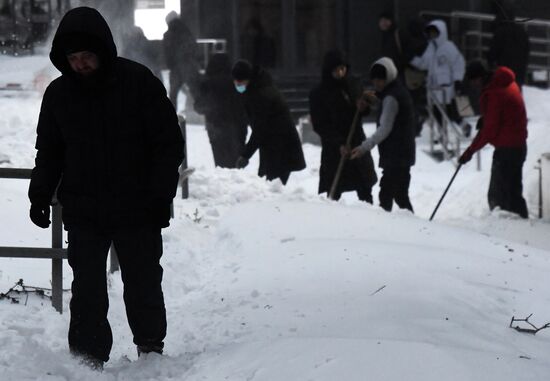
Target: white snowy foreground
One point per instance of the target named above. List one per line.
(265, 282)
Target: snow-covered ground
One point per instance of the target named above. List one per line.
(265, 282)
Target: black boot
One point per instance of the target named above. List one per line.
(143, 349)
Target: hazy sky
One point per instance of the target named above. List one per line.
(152, 20)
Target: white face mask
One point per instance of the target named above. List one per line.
(240, 88)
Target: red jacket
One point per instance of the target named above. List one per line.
(503, 111)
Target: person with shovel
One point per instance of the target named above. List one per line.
(505, 127)
(394, 136)
(336, 116)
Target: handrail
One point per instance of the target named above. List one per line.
(446, 125)
(56, 253)
(540, 46)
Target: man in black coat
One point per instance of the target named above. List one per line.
(332, 109)
(224, 112)
(510, 44)
(109, 136)
(181, 54)
(273, 131)
(394, 136)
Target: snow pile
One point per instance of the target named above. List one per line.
(265, 282)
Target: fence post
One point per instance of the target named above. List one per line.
(57, 263)
(185, 182)
(545, 184)
(115, 265)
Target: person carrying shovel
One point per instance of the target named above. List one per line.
(336, 109)
(394, 136)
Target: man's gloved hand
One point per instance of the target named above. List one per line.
(458, 87)
(242, 162)
(160, 213)
(40, 215)
(466, 156)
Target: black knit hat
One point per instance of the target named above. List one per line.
(79, 42)
(242, 70)
(378, 72)
(386, 15)
(476, 69)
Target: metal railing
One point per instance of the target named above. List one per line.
(472, 32)
(442, 129)
(209, 46)
(56, 253)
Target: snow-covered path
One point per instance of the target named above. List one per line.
(265, 282)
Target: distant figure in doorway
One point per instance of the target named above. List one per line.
(402, 45)
(136, 47)
(394, 136)
(273, 131)
(182, 56)
(257, 47)
(510, 44)
(505, 127)
(226, 121)
(333, 105)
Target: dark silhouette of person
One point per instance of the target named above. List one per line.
(108, 140)
(226, 121)
(333, 104)
(273, 131)
(181, 55)
(510, 44)
(257, 47)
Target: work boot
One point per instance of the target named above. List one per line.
(144, 349)
(90, 361)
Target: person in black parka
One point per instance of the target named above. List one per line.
(224, 112)
(332, 109)
(273, 131)
(181, 54)
(510, 44)
(109, 137)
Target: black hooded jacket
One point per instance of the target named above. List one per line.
(273, 131)
(332, 109)
(510, 47)
(112, 139)
(217, 99)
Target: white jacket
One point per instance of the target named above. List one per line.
(444, 63)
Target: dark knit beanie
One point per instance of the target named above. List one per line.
(386, 15)
(476, 69)
(378, 72)
(242, 70)
(79, 42)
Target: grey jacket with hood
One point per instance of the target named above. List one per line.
(395, 133)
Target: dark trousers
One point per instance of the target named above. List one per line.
(226, 144)
(177, 80)
(139, 251)
(362, 195)
(506, 186)
(394, 186)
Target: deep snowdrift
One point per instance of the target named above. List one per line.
(265, 282)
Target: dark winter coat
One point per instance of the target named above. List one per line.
(510, 47)
(226, 120)
(113, 139)
(402, 45)
(332, 109)
(399, 148)
(273, 131)
(181, 52)
(504, 114)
